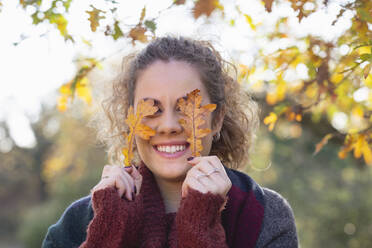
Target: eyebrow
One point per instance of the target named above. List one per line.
(157, 102)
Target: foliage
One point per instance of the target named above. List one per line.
(329, 197)
(136, 127)
(194, 115)
(337, 70)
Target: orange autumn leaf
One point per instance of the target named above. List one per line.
(268, 5)
(136, 127)
(204, 7)
(138, 33)
(322, 143)
(194, 118)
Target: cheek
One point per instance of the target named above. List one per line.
(207, 144)
(141, 145)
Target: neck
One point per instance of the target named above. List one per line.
(171, 194)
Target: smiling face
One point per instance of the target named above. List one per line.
(166, 153)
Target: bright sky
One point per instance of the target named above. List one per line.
(31, 71)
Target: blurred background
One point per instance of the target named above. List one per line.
(306, 63)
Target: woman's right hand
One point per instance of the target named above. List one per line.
(125, 180)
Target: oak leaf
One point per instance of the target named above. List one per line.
(205, 7)
(268, 4)
(138, 33)
(136, 127)
(194, 115)
(94, 17)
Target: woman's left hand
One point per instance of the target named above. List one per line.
(207, 175)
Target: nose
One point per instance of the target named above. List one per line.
(168, 123)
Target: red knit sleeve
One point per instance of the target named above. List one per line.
(116, 222)
(198, 221)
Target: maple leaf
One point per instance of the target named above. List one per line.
(194, 118)
(144, 108)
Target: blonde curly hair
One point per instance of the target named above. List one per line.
(241, 117)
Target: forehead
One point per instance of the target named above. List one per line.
(168, 81)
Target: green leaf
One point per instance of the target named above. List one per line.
(117, 31)
(366, 57)
(35, 18)
(278, 109)
(312, 69)
(364, 15)
(67, 4)
(61, 23)
(150, 25)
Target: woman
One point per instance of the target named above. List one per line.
(174, 199)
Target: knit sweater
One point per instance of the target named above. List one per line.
(253, 217)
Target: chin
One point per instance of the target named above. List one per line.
(171, 172)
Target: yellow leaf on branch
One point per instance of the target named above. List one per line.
(250, 21)
(194, 115)
(271, 120)
(136, 127)
(83, 91)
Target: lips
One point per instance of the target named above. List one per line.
(171, 149)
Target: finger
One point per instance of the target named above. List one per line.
(215, 162)
(119, 184)
(193, 183)
(128, 169)
(106, 169)
(137, 177)
(201, 177)
(128, 187)
(129, 180)
(196, 185)
(120, 174)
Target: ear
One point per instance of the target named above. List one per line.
(219, 120)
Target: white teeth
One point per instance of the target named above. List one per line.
(171, 149)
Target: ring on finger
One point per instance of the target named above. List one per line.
(215, 170)
(200, 176)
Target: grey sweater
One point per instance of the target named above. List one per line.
(279, 229)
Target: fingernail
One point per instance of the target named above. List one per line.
(135, 189)
(190, 158)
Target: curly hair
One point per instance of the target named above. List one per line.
(240, 111)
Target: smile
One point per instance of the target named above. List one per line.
(171, 151)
